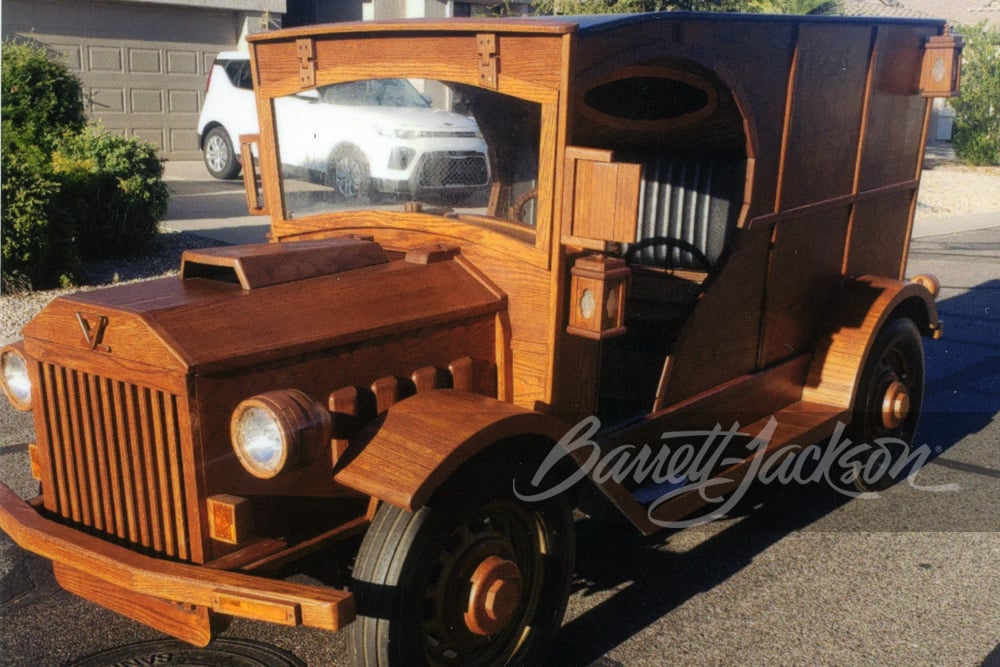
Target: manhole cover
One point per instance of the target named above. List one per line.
(220, 653)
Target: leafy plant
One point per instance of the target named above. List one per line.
(69, 191)
(41, 101)
(977, 120)
(111, 188)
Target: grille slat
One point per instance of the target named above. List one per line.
(116, 459)
(109, 435)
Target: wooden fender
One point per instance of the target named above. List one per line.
(863, 306)
(423, 439)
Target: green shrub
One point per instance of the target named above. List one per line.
(41, 101)
(37, 252)
(111, 188)
(977, 109)
(69, 192)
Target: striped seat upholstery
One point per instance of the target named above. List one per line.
(692, 199)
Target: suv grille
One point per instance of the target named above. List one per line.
(454, 169)
(116, 459)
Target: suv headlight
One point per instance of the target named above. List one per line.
(398, 132)
(279, 430)
(16, 380)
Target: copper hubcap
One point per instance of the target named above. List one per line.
(495, 593)
(895, 405)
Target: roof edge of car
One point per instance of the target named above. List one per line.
(557, 24)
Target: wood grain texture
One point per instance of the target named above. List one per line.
(192, 624)
(317, 607)
(433, 433)
(266, 264)
(862, 307)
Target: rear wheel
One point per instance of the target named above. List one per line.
(220, 159)
(887, 407)
(477, 577)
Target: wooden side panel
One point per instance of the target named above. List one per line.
(878, 235)
(826, 113)
(896, 113)
(805, 271)
(720, 340)
(760, 91)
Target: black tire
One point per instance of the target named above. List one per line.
(897, 356)
(348, 173)
(220, 158)
(414, 571)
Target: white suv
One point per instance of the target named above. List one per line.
(369, 137)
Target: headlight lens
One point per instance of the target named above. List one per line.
(16, 381)
(277, 431)
(258, 437)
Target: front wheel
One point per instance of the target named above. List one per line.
(220, 158)
(476, 577)
(347, 172)
(887, 407)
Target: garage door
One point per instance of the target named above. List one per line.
(143, 67)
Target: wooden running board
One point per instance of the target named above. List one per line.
(800, 424)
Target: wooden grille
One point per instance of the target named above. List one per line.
(115, 459)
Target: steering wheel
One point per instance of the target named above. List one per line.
(671, 243)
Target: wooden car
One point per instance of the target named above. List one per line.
(692, 244)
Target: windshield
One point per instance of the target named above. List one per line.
(374, 93)
(409, 144)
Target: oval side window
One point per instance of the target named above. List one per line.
(647, 98)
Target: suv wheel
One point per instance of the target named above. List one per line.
(347, 171)
(220, 159)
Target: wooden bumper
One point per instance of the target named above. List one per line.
(186, 595)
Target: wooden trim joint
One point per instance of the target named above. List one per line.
(306, 50)
(489, 61)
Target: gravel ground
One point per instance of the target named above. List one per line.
(17, 309)
(947, 189)
(953, 189)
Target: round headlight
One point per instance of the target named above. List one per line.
(16, 381)
(260, 444)
(278, 430)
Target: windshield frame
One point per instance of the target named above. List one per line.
(535, 241)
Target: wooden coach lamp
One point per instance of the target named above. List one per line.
(597, 297)
(942, 66)
(602, 205)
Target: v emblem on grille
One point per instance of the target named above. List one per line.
(93, 334)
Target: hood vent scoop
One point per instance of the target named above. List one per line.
(265, 264)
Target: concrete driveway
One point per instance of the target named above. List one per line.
(209, 207)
